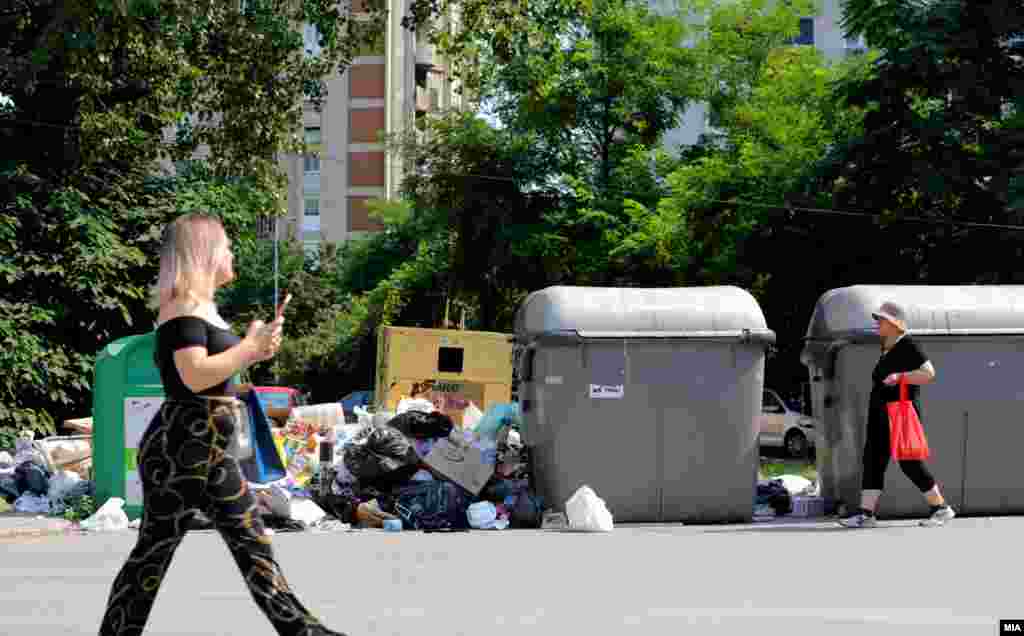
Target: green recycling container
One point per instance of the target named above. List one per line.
(127, 393)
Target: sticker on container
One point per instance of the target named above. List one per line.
(607, 391)
(553, 379)
(138, 413)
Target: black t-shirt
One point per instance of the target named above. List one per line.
(183, 332)
(905, 356)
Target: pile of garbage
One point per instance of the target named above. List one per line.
(413, 469)
(790, 495)
(33, 480)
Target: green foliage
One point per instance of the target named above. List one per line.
(95, 95)
(941, 135)
(80, 508)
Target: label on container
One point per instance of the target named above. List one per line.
(138, 413)
(607, 391)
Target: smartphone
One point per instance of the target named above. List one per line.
(280, 308)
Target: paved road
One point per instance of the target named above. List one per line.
(646, 580)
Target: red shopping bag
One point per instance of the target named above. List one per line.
(906, 435)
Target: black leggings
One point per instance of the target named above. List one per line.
(185, 470)
(877, 454)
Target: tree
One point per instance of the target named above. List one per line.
(90, 87)
(942, 140)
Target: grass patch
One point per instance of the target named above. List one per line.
(772, 468)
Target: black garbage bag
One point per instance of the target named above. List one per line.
(774, 494)
(423, 425)
(32, 478)
(381, 457)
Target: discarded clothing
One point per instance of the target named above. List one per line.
(32, 478)
(35, 504)
(432, 505)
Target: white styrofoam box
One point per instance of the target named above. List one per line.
(808, 507)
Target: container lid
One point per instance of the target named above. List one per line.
(845, 313)
(629, 312)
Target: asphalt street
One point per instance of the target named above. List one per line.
(791, 579)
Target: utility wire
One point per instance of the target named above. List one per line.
(626, 193)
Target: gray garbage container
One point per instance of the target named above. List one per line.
(974, 335)
(649, 396)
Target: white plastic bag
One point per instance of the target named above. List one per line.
(306, 512)
(109, 518)
(483, 515)
(415, 404)
(587, 512)
(363, 416)
(471, 417)
(795, 484)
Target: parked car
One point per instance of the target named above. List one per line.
(782, 427)
(352, 400)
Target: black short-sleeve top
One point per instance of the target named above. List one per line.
(905, 356)
(183, 332)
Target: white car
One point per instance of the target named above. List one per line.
(782, 427)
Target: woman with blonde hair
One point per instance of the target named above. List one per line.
(185, 461)
(901, 359)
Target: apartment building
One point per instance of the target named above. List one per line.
(381, 93)
(395, 80)
(822, 31)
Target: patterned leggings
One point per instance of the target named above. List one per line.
(185, 470)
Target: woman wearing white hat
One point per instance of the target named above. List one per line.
(901, 358)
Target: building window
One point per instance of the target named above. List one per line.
(311, 214)
(313, 137)
(310, 164)
(806, 36)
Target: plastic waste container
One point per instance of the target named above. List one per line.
(649, 396)
(127, 393)
(974, 335)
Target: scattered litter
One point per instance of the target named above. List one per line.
(415, 404)
(587, 512)
(554, 521)
(796, 485)
(109, 518)
(483, 515)
(331, 525)
(32, 503)
(306, 512)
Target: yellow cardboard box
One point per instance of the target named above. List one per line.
(451, 368)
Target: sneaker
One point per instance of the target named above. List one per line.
(859, 520)
(939, 517)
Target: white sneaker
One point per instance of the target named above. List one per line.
(939, 517)
(859, 520)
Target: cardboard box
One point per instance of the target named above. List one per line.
(461, 463)
(449, 367)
